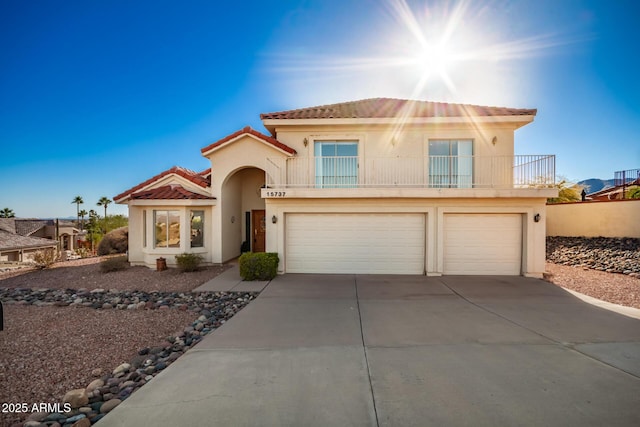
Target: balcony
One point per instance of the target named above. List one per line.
(431, 172)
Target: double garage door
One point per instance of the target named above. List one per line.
(396, 243)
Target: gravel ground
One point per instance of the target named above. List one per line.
(85, 273)
(611, 287)
(47, 351)
(613, 255)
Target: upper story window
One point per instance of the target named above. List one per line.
(197, 229)
(336, 164)
(451, 163)
(167, 229)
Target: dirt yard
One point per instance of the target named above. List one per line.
(46, 351)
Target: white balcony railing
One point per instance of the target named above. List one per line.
(522, 171)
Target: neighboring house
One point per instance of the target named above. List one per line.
(62, 230)
(372, 186)
(16, 247)
(617, 192)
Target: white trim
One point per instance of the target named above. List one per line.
(517, 119)
(250, 135)
(172, 202)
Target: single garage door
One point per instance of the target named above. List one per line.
(483, 244)
(355, 243)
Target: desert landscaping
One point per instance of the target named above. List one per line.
(72, 325)
(73, 333)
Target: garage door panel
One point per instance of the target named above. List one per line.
(483, 244)
(355, 243)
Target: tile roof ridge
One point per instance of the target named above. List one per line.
(248, 130)
(185, 173)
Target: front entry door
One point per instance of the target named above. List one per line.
(258, 223)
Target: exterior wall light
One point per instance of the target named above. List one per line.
(494, 140)
(274, 219)
(536, 218)
(305, 142)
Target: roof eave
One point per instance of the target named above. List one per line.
(522, 120)
(207, 152)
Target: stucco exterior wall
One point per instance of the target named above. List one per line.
(594, 219)
(379, 146)
(410, 141)
(533, 248)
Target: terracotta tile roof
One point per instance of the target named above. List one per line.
(11, 241)
(169, 192)
(390, 107)
(249, 131)
(188, 174)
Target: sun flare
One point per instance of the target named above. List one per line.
(446, 51)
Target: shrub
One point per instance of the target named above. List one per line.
(45, 257)
(114, 242)
(258, 265)
(633, 193)
(83, 252)
(188, 262)
(114, 264)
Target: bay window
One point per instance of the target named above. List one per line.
(167, 229)
(197, 229)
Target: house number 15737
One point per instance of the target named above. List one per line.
(276, 193)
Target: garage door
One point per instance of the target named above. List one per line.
(483, 244)
(355, 243)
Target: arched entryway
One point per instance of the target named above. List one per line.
(242, 212)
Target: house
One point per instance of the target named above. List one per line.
(623, 182)
(61, 230)
(372, 186)
(16, 247)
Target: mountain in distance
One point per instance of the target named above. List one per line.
(592, 185)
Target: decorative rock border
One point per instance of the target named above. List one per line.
(613, 255)
(89, 405)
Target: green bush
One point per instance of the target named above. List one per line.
(188, 262)
(258, 265)
(114, 242)
(114, 264)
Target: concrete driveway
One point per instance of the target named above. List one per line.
(345, 350)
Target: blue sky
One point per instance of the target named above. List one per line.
(97, 96)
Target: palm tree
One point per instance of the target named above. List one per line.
(82, 214)
(7, 213)
(78, 201)
(104, 201)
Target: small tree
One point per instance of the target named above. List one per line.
(78, 201)
(7, 213)
(104, 201)
(112, 222)
(82, 214)
(567, 192)
(93, 228)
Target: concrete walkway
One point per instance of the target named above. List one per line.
(230, 280)
(350, 350)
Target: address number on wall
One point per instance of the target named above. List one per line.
(276, 193)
